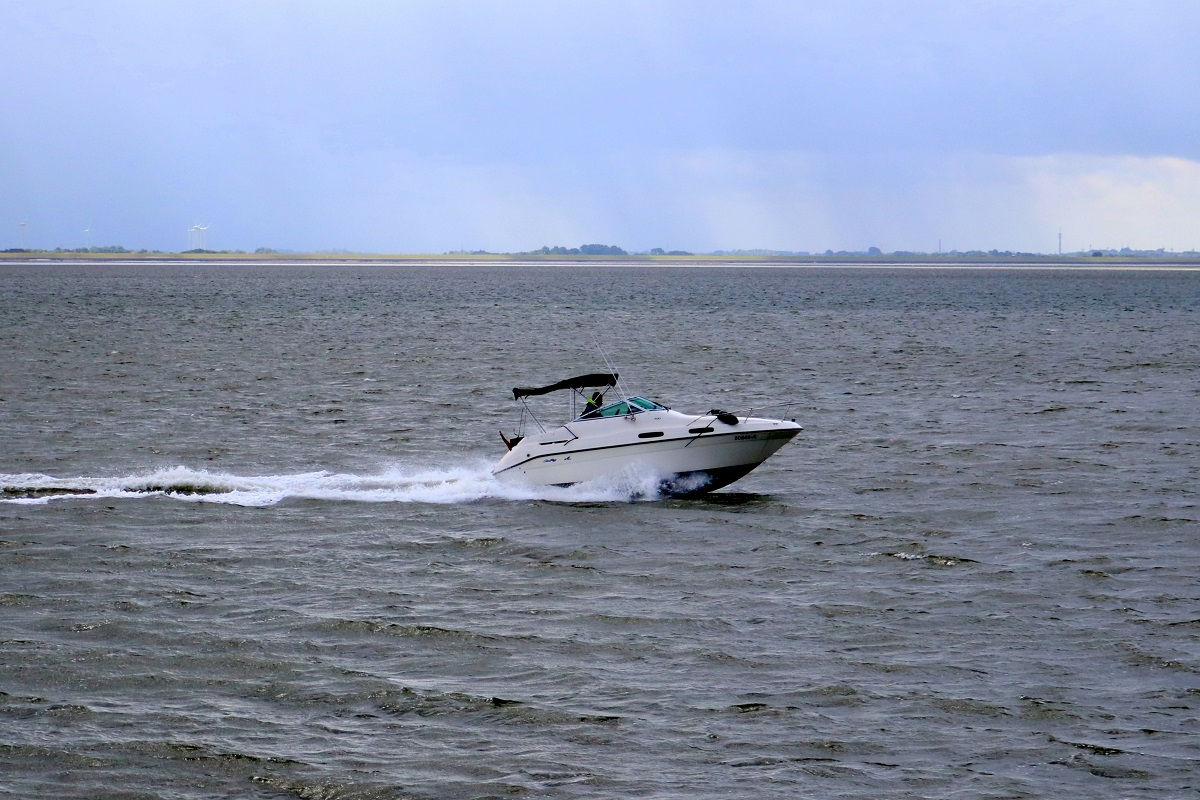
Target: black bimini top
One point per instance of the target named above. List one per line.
(578, 382)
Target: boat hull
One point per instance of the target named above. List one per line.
(664, 444)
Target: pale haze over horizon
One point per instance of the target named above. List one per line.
(426, 127)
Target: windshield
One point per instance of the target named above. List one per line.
(633, 405)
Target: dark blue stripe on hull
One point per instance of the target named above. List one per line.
(698, 482)
(690, 484)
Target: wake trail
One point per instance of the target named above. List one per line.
(396, 484)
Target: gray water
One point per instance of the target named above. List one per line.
(250, 545)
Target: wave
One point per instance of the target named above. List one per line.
(396, 484)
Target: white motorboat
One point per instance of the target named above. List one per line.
(689, 453)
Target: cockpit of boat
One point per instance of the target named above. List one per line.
(632, 405)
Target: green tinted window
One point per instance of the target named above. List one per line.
(615, 410)
(620, 409)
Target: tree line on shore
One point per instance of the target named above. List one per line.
(613, 250)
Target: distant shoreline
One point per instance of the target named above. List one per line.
(692, 261)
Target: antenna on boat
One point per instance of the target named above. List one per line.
(611, 371)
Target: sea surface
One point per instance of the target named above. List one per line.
(250, 545)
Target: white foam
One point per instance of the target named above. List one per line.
(399, 483)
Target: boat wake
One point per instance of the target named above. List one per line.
(396, 484)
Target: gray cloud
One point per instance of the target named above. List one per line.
(431, 126)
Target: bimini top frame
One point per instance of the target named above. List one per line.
(604, 379)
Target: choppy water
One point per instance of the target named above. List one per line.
(975, 574)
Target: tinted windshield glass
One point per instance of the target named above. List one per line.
(633, 405)
(614, 410)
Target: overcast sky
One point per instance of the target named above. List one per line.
(434, 126)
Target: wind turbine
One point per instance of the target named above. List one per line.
(24, 226)
(196, 236)
(87, 237)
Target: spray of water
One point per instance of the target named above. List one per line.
(395, 484)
